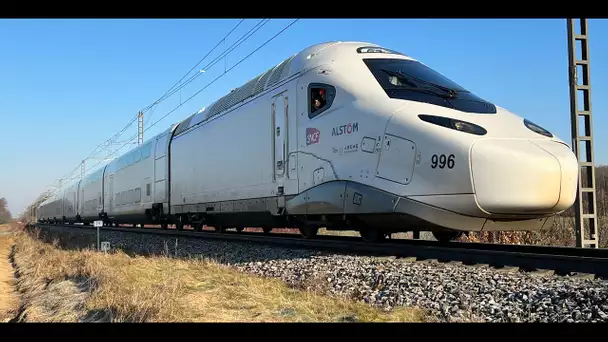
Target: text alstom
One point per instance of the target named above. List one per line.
(346, 129)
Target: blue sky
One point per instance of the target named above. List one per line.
(68, 85)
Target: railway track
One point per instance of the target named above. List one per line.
(560, 260)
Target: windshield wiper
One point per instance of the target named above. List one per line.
(423, 90)
(451, 93)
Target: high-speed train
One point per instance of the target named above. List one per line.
(342, 135)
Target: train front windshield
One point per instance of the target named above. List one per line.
(411, 80)
(405, 73)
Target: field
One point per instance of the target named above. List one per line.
(55, 285)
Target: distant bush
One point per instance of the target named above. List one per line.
(5, 214)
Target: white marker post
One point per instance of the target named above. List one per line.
(98, 224)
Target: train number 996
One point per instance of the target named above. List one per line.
(442, 161)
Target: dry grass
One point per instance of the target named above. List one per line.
(9, 299)
(63, 285)
(561, 233)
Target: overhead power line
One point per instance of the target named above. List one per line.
(225, 72)
(224, 54)
(194, 66)
(214, 80)
(172, 90)
(134, 118)
(110, 141)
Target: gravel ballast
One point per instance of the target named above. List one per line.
(451, 291)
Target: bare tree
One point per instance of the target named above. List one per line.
(5, 214)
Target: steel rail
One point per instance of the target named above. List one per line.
(561, 260)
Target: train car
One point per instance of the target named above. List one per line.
(51, 210)
(160, 210)
(90, 200)
(127, 185)
(351, 135)
(34, 215)
(136, 185)
(228, 162)
(70, 213)
(40, 212)
(29, 215)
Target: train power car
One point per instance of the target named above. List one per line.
(342, 135)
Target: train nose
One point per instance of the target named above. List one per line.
(523, 176)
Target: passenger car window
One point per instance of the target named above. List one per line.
(321, 97)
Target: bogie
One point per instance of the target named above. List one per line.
(446, 236)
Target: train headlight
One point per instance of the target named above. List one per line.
(537, 129)
(468, 127)
(455, 124)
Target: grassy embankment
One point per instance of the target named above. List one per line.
(70, 285)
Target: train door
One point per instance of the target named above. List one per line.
(285, 174)
(111, 194)
(160, 170)
(278, 118)
(309, 135)
(81, 202)
(315, 131)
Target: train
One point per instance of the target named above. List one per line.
(342, 135)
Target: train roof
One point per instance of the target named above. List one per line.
(298, 63)
(54, 197)
(45, 202)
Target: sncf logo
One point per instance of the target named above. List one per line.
(312, 136)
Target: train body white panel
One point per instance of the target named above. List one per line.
(463, 204)
(397, 159)
(70, 202)
(227, 158)
(129, 181)
(52, 208)
(342, 141)
(536, 188)
(91, 191)
(160, 187)
(569, 172)
(42, 211)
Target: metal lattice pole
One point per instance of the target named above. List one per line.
(140, 128)
(586, 204)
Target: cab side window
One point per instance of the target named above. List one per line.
(320, 97)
